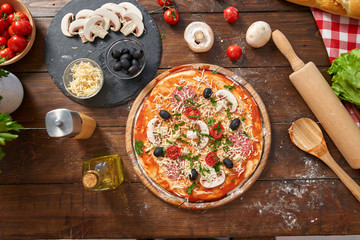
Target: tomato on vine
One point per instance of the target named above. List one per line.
(163, 3)
(171, 16)
(21, 27)
(6, 8)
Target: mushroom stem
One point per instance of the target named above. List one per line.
(199, 36)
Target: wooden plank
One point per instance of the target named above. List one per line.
(305, 40)
(288, 207)
(281, 99)
(42, 159)
(45, 8)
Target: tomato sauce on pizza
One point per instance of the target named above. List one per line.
(198, 135)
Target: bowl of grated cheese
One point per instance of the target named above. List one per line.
(83, 78)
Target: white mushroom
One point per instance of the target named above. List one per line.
(85, 13)
(65, 24)
(115, 8)
(213, 180)
(258, 34)
(92, 28)
(129, 7)
(203, 128)
(150, 130)
(163, 131)
(225, 94)
(110, 18)
(199, 37)
(76, 25)
(133, 23)
(191, 134)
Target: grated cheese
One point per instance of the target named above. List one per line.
(86, 79)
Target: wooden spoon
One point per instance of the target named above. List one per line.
(307, 136)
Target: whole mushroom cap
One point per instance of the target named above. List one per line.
(258, 34)
(199, 37)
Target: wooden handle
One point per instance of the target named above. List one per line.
(344, 177)
(286, 49)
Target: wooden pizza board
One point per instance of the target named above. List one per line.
(61, 50)
(160, 192)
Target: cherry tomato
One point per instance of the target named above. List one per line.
(234, 52)
(3, 42)
(11, 32)
(171, 16)
(217, 131)
(173, 152)
(211, 158)
(7, 54)
(10, 18)
(192, 113)
(5, 34)
(6, 8)
(21, 27)
(231, 14)
(163, 3)
(17, 43)
(4, 23)
(20, 16)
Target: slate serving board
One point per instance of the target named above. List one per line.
(61, 50)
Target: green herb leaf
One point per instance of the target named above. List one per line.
(229, 87)
(194, 116)
(176, 114)
(177, 98)
(214, 72)
(182, 140)
(211, 121)
(138, 147)
(177, 125)
(198, 70)
(162, 36)
(226, 148)
(191, 188)
(197, 106)
(179, 88)
(213, 101)
(217, 166)
(233, 180)
(218, 128)
(170, 142)
(246, 134)
(242, 119)
(191, 101)
(228, 113)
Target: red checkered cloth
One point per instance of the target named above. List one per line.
(340, 35)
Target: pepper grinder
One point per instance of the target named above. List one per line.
(65, 123)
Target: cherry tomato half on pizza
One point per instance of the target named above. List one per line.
(217, 131)
(211, 158)
(173, 152)
(192, 113)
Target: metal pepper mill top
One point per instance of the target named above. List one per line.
(65, 123)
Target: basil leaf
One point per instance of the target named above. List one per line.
(138, 147)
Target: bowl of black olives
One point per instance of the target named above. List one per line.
(125, 58)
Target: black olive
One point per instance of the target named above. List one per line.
(164, 114)
(138, 54)
(127, 56)
(207, 92)
(117, 67)
(235, 124)
(125, 63)
(132, 51)
(135, 62)
(193, 175)
(133, 69)
(124, 51)
(228, 163)
(158, 152)
(116, 54)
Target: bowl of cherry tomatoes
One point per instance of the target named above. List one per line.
(17, 31)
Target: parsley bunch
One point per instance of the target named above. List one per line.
(7, 125)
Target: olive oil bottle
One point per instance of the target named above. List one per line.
(102, 173)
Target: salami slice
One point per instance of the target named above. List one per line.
(173, 169)
(240, 142)
(180, 94)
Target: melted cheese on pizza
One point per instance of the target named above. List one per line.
(192, 134)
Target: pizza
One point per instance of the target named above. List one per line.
(198, 135)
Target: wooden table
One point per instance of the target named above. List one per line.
(41, 195)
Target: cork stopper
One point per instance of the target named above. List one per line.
(91, 179)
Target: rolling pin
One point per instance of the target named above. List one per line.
(323, 102)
